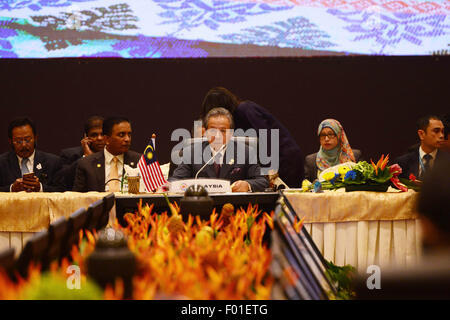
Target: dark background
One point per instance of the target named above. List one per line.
(377, 99)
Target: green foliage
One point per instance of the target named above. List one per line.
(54, 287)
(363, 170)
(366, 173)
(250, 221)
(382, 176)
(410, 184)
(342, 277)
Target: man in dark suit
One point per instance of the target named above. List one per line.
(92, 142)
(244, 174)
(249, 115)
(103, 170)
(25, 168)
(421, 159)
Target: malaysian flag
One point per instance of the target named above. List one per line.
(150, 170)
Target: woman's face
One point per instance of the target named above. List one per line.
(328, 139)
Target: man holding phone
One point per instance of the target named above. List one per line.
(92, 142)
(25, 168)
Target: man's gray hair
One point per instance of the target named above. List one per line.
(215, 112)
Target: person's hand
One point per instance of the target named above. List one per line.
(85, 144)
(31, 184)
(17, 186)
(240, 186)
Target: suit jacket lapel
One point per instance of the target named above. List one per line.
(37, 165)
(127, 160)
(226, 166)
(209, 169)
(100, 168)
(225, 169)
(14, 165)
(415, 162)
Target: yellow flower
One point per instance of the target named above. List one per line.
(328, 176)
(343, 170)
(305, 185)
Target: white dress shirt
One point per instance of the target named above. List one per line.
(218, 156)
(108, 163)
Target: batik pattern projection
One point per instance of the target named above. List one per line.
(392, 32)
(202, 28)
(294, 33)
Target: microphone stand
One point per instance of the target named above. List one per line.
(220, 150)
(106, 183)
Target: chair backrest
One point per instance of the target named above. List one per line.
(35, 250)
(78, 219)
(108, 203)
(57, 234)
(75, 223)
(7, 259)
(95, 211)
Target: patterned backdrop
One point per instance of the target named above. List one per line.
(213, 28)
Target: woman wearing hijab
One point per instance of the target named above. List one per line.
(334, 149)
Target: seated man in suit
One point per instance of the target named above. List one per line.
(92, 142)
(226, 164)
(103, 170)
(25, 168)
(430, 130)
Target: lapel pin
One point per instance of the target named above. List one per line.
(99, 165)
(39, 166)
(131, 163)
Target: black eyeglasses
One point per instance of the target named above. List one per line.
(329, 135)
(21, 141)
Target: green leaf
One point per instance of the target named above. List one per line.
(343, 277)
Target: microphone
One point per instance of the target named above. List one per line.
(114, 179)
(220, 150)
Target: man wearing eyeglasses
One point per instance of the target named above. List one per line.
(25, 168)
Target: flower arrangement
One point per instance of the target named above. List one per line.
(360, 176)
(222, 258)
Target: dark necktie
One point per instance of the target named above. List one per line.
(426, 164)
(217, 169)
(217, 165)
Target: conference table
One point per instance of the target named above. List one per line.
(362, 228)
(22, 214)
(356, 228)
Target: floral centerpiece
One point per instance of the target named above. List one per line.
(222, 258)
(361, 176)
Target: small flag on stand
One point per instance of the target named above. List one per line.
(150, 170)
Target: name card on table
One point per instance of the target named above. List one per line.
(211, 185)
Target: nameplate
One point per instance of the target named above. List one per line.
(211, 185)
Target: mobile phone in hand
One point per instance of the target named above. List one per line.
(28, 176)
